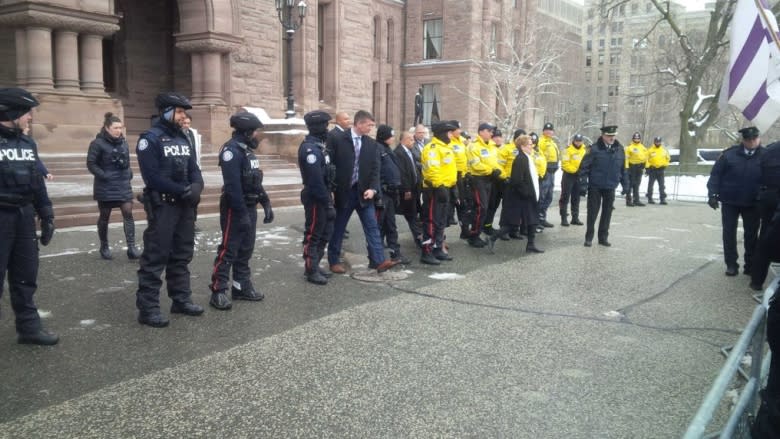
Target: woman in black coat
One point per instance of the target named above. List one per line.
(521, 196)
(108, 160)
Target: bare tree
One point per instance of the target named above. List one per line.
(515, 75)
(695, 73)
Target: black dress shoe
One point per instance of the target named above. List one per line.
(663, 202)
(650, 201)
(732, 271)
(326, 274)
(746, 271)
(155, 320)
(530, 248)
(429, 259)
(187, 308)
(220, 301)
(440, 255)
(546, 224)
(605, 243)
(41, 337)
(588, 243)
(250, 295)
(576, 222)
(316, 278)
(476, 242)
(756, 287)
(639, 204)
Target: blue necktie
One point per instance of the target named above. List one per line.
(356, 141)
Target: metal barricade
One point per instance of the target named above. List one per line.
(753, 340)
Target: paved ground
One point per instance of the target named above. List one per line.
(575, 343)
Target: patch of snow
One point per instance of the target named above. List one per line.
(446, 276)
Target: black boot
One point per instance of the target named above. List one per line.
(429, 259)
(316, 277)
(531, 246)
(102, 227)
(575, 221)
(564, 221)
(132, 250)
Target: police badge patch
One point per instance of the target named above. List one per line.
(227, 156)
(143, 144)
(311, 159)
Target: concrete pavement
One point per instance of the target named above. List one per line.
(577, 342)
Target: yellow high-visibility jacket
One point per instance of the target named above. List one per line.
(482, 157)
(541, 163)
(549, 149)
(636, 154)
(438, 165)
(658, 157)
(572, 157)
(459, 149)
(506, 157)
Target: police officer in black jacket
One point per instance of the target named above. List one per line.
(601, 170)
(390, 178)
(319, 179)
(768, 247)
(22, 195)
(734, 182)
(241, 193)
(173, 186)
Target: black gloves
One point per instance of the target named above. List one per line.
(46, 214)
(496, 174)
(269, 212)
(713, 201)
(330, 213)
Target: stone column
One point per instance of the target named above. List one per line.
(39, 62)
(91, 64)
(21, 57)
(66, 68)
(212, 78)
(197, 77)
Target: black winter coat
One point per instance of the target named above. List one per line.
(342, 152)
(520, 204)
(108, 160)
(735, 176)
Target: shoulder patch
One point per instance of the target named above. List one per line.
(143, 144)
(311, 159)
(227, 156)
(432, 154)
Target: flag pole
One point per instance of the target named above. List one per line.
(762, 11)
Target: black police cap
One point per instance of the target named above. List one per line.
(384, 132)
(609, 130)
(497, 133)
(171, 99)
(658, 139)
(442, 127)
(518, 132)
(245, 121)
(316, 117)
(577, 138)
(749, 133)
(636, 135)
(485, 126)
(455, 123)
(548, 126)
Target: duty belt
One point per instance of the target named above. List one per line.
(170, 198)
(14, 200)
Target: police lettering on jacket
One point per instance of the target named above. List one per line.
(17, 155)
(176, 150)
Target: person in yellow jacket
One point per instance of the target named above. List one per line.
(483, 169)
(439, 177)
(496, 184)
(539, 160)
(457, 201)
(636, 160)
(549, 149)
(570, 185)
(657, 160)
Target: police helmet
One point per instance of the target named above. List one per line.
(169, 100)
(658, 139)
(636, 135)
(534, 138)
(245, 121)
(577, 138)
(15, 102)
(518, 132)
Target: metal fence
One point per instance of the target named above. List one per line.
(752, 342)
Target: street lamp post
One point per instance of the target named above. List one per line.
(290, 23)
(604, 113)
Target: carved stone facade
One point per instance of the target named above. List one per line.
(85, 57)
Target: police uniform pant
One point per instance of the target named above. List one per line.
(635, 179)
(496, 194)
(570, 193)
(19, 258)
(653, 175)
(599, 199)
(435, 203)
(236, 248)
(464, 202)
(366, 213)
(317, 232)
(169, 240)
(409, 209)
(751, 220)
(546, 187)
(480, 191)
(388, 230)
(769, 237)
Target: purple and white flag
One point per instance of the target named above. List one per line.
(752, 81)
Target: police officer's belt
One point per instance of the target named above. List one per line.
(14, 200)
(170, 198)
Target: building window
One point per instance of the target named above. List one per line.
(613, 90)
(377, 37)
(388, 104)
(590, 29)
(432, 38)
(375, 99)
(600, 75)
(622, 10)
(591, 13)
(589, 45)
(601, 44)
(493, 41)
(601, 59)
(587, 61)
(431, 103)
(390, 40)
(602, 28)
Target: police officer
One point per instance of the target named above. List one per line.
(439, 177)
(483, 168)
(173, 185)
(570, 188)
(242, 191)
(22, 195)
(549, 149)
(319, 180)
(601, 170)
(658, 159)
(734, 182)
(768, 247)
(390, 179)
(636, 160)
